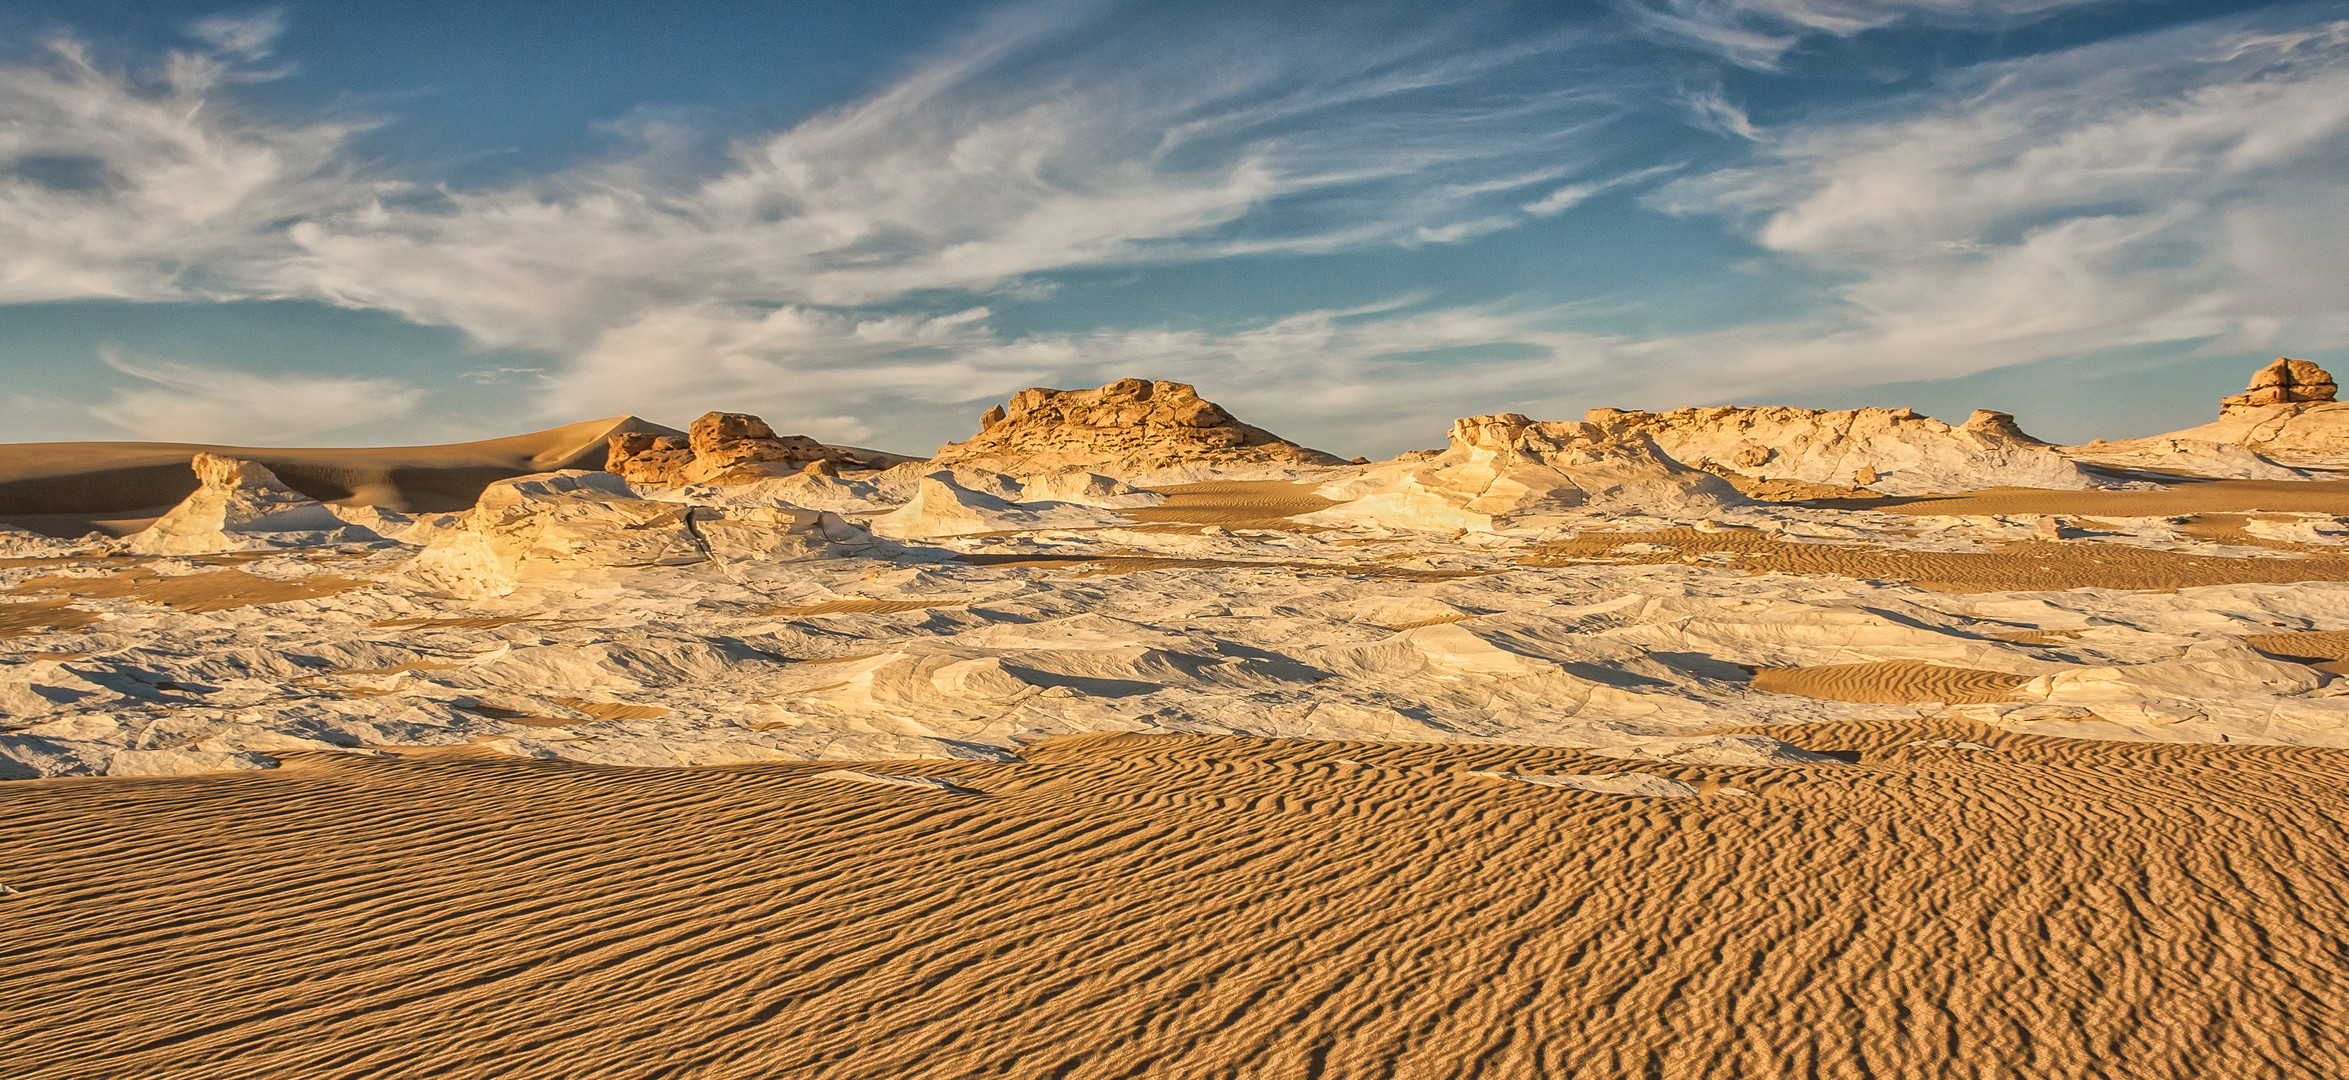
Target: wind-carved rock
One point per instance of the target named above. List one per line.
(2284, 382)
(2288, 417)
(1896, 451)
(1127, 427)
(720, 448)
(239, 506)
(1506, 471)
(562, 523)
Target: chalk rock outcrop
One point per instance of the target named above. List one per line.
(1895, 451)
(728, 448)
(2288, 417)
(539, 526)
(1126, 428)
(1506, 471)
(242, 506)
(2173, 455)
(942, 506)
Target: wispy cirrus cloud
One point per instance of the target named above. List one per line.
(2178, 187)
(154, 184)
(1758, 34)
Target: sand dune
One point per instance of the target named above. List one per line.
(1185, 906)
(66, 489)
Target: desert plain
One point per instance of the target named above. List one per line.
(1125, 738)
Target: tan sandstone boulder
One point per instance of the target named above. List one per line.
(1128, 427)
(729, 448)
(2283, 382)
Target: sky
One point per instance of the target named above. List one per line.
(325, 223)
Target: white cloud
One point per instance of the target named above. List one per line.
(2177, 187)
(1023, 153)
(1758, 33)
(1573, 195)
(185, 403)
(152, 186)
(250, 36)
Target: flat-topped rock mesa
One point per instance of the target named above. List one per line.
(1128, 427)
(1505, 471)
(241, 506)
(1893, 451)
(730, 448)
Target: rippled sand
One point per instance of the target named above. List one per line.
(1192, 906)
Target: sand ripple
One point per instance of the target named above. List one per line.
(1192, 906)
(1890, 682)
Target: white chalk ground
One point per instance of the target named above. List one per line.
(731, 655)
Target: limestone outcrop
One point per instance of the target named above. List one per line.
(1506, 471)
(728, 448)
(2288, 417)
(2283, 382)
(1126, 428)
(542, 526)
(943, 506)
(242, 506)
(1894, 451)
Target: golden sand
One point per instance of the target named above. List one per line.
(2019, 566)
(43, 616)
(1234, 504)
(205, 590)
(1192, 906)
(1889, 682)
(2202, 497)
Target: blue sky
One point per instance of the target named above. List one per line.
(327, 223)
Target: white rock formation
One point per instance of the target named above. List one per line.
(942, 506)
(2288, 417)
(538, 526)
(2175, 455)
(1506, 471)
(242, 506)
(1895, 451)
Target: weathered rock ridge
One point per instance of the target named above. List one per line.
(1128, 427)
(542, 526)
(2288, 417)
(1505, 471)
(728, 448)
(1895, 451)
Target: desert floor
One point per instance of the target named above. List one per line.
(1942, 887)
